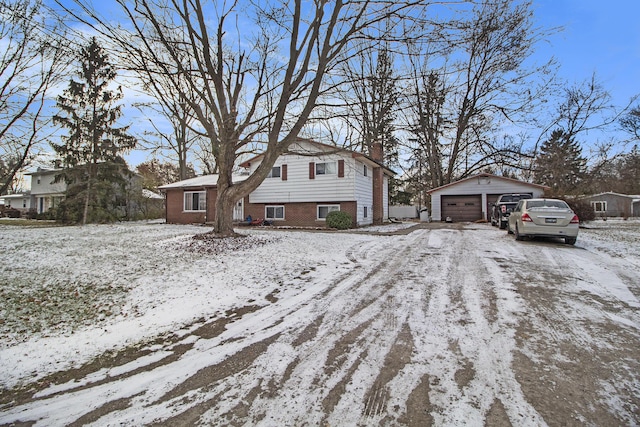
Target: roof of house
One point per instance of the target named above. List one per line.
(325, 149)
(15, 196)
(200, 182)
(148, 194)
(486, 175)
(635, 197)
(41, 171)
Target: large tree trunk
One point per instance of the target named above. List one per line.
(225, 202)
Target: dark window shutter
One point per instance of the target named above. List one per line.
(283, 172)
(312, 170)
(340, 168)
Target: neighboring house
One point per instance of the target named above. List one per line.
(470, 199)
(46, 194)
(611, 204)
(305, 184)
(21, 202)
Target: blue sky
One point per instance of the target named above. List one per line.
(599, 35)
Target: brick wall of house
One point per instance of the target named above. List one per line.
(175, 213)
(300, 214)
(378, 196)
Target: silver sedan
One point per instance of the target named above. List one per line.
(544, 218)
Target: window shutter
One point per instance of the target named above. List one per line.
(283, 172)
(312, 170)
(341, 168)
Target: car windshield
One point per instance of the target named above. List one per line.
(559, 204)
(514, 197)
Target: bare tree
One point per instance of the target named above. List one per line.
(33, 59)
(631, 122)
(480, 82)
(586, 108)
(172, 106)
(254, 70)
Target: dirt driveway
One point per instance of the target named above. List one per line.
(440, 326)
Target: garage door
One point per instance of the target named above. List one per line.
(462, 208)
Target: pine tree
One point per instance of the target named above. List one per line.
(629, 167)
(91, 152)
(560, 164)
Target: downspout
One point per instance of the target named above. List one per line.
(206, 204)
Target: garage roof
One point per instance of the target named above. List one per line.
(485, 175)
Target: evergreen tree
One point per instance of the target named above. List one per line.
(560, 164)
(91, 152)
(374, 88)
(629, 168)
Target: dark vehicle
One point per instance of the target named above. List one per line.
(503, 207)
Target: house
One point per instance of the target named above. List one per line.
(21, 202)
(45, 192)
(191, 201)
(132, 201)
(611, 204)
(305, 184)
(470, 199)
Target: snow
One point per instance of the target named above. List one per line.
(133, 283)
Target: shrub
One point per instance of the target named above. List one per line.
(339, 219)
(12, 213)
(583, 209)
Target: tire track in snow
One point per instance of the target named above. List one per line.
(465, 345)
(584, 317)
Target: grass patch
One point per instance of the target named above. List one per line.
(61, 307)
(21, 222)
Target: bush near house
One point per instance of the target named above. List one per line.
(583, 209)
(339, 219)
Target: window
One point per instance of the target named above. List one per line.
(274, 212)
(323, 210)
(275, 172)
(365, 209)
(364, 171)
(599, 206)
(328, 168)
(195, 201)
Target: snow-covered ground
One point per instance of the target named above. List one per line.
(454, 325)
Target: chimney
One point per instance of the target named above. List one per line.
(376, 152)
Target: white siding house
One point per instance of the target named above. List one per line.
(21, 202)
(469, 199)
(345, 180)
(305, 184)
(45, 192)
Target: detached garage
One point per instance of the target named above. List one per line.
(469, 199)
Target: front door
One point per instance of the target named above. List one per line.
(238, 211)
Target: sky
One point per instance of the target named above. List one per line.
(598, 36)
